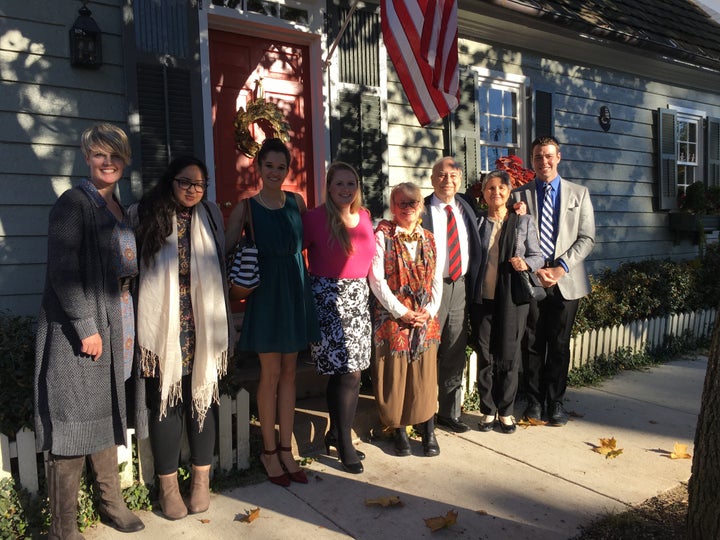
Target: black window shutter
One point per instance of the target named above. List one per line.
(166, 128)
(356, 137)
(164, 33)
(544, 122)
(667, 159)
(712, 152)
(465, 135)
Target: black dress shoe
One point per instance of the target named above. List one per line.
(401, 442)
(453, 424)
(533, 411)
(557, 414)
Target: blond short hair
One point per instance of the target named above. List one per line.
(108, 138)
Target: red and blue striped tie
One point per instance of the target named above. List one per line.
(453, 246)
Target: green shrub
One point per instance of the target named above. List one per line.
(652, 288)
(17, 365)
(13, 523)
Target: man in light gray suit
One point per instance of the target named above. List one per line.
(566, 228)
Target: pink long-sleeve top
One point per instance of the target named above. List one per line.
(328, 258)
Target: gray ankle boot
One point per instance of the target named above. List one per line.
(63, 477)
(112, 506)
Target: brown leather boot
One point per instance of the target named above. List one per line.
(171, 501)
(112, 507)
(199, 490)
(63, 477)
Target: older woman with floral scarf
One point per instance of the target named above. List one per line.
(183, 331)
(406, 280)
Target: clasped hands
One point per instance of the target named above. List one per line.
(550, 276)
(415, 318)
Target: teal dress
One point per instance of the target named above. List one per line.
(280, 314)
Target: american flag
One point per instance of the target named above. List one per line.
(421, 39)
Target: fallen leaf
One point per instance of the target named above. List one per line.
(482, 513)
(531, 422)
(680, 452)
(441, 522)
(608, 448)
(204, 521)
(393, 500)
(249, 517)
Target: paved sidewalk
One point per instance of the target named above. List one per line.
(539, 483)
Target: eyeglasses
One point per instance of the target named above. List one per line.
(186, 184)
(407, 204)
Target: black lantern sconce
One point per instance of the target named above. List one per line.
(85, 41)
(604, 118)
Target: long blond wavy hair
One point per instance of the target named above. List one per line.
(336, 227)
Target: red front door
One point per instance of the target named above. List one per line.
(237, 64)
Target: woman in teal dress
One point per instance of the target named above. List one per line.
(280, 317)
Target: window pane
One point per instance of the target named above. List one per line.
(495, 102)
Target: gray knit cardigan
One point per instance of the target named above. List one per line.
(80, 404)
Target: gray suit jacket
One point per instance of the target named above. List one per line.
(575, 235)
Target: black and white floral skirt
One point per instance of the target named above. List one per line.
(343, 310)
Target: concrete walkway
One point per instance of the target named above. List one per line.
(539, 483)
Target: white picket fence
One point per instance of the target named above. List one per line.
(637, 335)
(233, 448)
(234, 415)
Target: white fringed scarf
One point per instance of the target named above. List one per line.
(158, 328)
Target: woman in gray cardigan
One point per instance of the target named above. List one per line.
(85, 337)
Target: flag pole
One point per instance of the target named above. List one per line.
(335, 42)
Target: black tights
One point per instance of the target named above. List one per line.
(342, 400)
(166, 434)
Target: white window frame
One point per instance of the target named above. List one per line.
(505, 82)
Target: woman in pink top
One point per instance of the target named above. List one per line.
(339, 238)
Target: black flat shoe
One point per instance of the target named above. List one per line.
(331, 442)
(486, 426)
(401, 442)
(508, 428)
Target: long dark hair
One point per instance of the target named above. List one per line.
(158, 206)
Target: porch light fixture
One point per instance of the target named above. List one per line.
(85, 40)
(604, 118)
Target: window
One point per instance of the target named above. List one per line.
(688, 152)
(686, 135)
(488, 123)
(498, 119)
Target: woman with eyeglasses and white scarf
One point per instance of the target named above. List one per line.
(184, 333)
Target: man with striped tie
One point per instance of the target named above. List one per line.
(566, 226)
(453, 222)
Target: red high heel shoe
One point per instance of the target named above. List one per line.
(283, 479)
(297, 476)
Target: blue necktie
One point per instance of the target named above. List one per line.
(547, 226)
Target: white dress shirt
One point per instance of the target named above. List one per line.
(439, 219)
